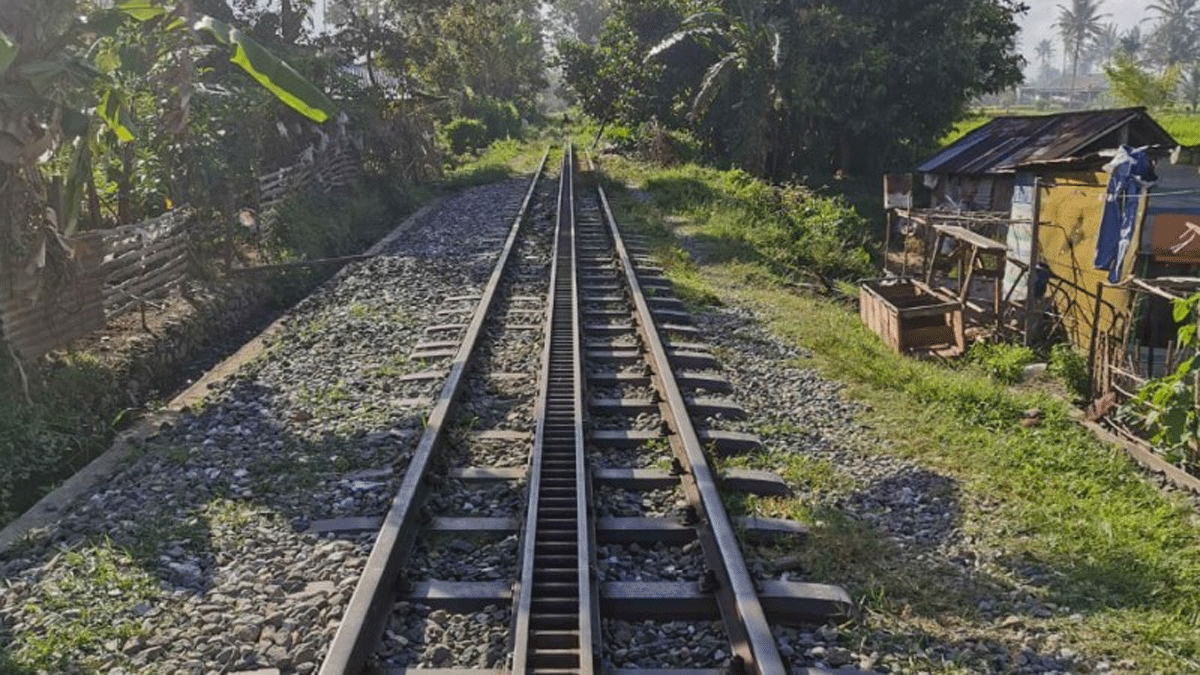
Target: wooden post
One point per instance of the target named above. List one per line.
(1031, 301)
(887, 241)
(1095, 337)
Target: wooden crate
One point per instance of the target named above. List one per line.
(909, 315)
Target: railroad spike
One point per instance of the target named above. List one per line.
(690, 516)
(710, 584)
(737, 665)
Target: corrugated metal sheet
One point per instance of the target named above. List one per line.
(144, 260)
(1008, 142)
(62, 312)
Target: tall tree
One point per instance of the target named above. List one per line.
(1045, 52)
(578, 20)
(1175, 33)
(1078, 25)
(786, 88)
(1133, 43)
(750, 51)
(1104, 45)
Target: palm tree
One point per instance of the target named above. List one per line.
(1132, 44)
(1104, 45)
(1175, 34)
(1045, 51)
(1078, 25)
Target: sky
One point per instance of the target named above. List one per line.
(1038, 23)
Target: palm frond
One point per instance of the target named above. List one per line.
(715, 79)
(674, 39)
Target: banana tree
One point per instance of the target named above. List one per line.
(53, 98)
(743, 82)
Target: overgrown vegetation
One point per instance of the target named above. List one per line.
(1002, 362)
(796, 232)
(1070, 367)
(1166, 408)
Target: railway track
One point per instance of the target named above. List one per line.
(576, 495)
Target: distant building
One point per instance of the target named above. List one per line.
(1086, 90)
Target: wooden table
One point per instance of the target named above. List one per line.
(971, 264)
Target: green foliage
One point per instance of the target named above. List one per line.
(1071, 368)
(1183, 128)
(62, 427)
(1002, 362)
(312, 226)
(465, 134)
(796, 231)
(57, 629)
(1134, 86)
(753, 82)
(1167, 406)
(500, 119)
(270, 71)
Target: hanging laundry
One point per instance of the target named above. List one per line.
(1131, 175)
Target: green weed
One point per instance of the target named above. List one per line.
(1003, 362)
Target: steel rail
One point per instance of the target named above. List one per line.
(365, 616)
(742, 612)
(554, 617)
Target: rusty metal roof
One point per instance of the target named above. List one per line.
(1005, 143)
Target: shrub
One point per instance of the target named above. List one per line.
(314, 225)
(798, 230)
(500, 119)
(465, 134)
(1070, 367)
(1003, 362)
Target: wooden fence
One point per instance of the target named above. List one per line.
(336, 166)
(144, 261)
(110, 272)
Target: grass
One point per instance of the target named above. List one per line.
(1184, 127)
(57, 626)
(965, 126)
(1075, 523)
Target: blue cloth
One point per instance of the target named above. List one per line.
(1132, 174)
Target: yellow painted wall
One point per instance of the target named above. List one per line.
(1071, 207)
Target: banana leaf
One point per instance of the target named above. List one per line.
(142, 10)
(270, 71)
(115, 113)
(8, 52)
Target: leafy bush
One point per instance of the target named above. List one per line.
(1166, 407)
(465, 134)
(74, 400)
(798, 230)
(1070, 367)
(314, 225)
(1003, 362)
(500, 118)
(790, 227)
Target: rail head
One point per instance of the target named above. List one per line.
(736, 595)
(365, 616)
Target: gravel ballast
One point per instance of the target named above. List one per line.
(197, 557)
